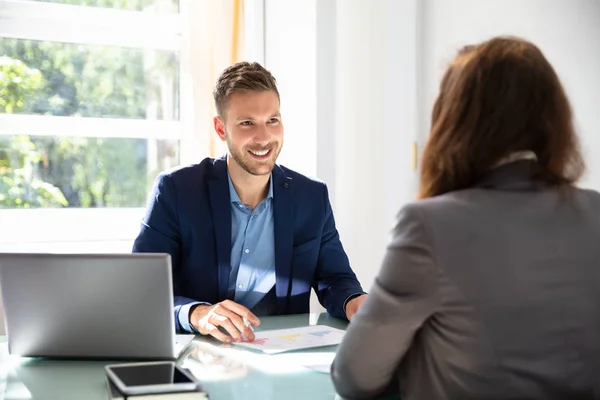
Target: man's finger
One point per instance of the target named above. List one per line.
(225, 323)
(206, 328)
(241, 311)
(237, 321)
(217, 334)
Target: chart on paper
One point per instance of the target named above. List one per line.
(280, 340)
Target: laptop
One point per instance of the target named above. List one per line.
(104, 306)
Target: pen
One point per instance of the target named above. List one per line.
(248, 324)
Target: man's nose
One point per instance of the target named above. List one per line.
(261, 135)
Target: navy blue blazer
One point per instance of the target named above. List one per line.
(189, 217)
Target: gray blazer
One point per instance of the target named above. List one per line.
(487, 293)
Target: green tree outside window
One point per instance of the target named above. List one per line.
(49, 78)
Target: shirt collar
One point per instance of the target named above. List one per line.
(517, 156)
(233, 193)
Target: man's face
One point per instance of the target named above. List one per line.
(252, 127)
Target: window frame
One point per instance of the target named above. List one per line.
(37, 20)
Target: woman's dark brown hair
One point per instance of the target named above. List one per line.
(496, 98)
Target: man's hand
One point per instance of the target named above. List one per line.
(228, 315)
(353, 305)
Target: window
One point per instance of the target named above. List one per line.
(96, 98)
(90, 106)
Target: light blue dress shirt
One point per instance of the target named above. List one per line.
(252, 273)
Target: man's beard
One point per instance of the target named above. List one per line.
(246, 161)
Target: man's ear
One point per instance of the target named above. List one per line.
(219, 127)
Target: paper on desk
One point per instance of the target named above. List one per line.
(323, 368)
(280, 340)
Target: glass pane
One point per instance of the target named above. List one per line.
(132, 5)
(51, 78)
(44, 172)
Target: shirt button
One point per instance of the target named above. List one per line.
(241, 206)
(246, 251)
(241, 286)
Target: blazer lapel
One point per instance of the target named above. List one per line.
(283, 215)
(220, 204)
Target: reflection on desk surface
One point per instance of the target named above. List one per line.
(226, 371)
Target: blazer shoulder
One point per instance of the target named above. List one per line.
(192, 172)
(432, 210)
(589, 195)
(588, 199)
(301, 180)
(432, 204)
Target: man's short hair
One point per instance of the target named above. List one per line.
(242, 77)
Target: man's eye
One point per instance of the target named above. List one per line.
(273, 120)
(247, 123)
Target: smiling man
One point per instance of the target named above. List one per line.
(247, 237)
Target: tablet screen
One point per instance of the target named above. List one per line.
(146, 375)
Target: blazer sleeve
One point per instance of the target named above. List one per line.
(403, 297)
(160, 233)
(335, 282)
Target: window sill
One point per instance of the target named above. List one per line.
(70, 225)
(103, 247)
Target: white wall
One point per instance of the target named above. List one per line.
(568, 32)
